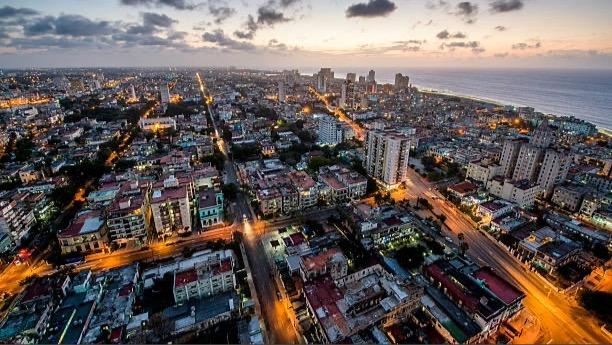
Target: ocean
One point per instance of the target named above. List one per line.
(585, 94)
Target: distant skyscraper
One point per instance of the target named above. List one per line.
(164, 94)
(281, 92)
(132, 92)
(352, 77)
(386, 155)
(324, 77)
(347, 95)
(371, 76)
(362, 79)
(401, 82)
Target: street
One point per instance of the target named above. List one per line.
(563, 319)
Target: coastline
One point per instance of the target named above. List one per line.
(600, 130)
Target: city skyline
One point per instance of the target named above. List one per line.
(295, 33)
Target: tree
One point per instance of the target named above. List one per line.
(598, 302)
(160, 325)
(230, 191)
(410, 257)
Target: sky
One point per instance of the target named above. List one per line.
(278, 34)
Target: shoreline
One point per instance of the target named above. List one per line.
(600, 130)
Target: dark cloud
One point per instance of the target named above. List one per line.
(373, 8)
(176, 4)
(220, 13)
(433, 5)
(444, 35)
(40, 26)
(524, 46)
(499, 6)
(468, 11)
(267, 15)
(9, 12)
(224, 41)
(288, 3)
(159, 20)
(68, 25)
(501, 28)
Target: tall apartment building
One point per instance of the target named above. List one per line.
(170, 207)
(527, 163)
(401, 81)
(386, 155)
(164, 94)
(352, 77)
(332, 131)
(371, 76)
(509, 156)
(281, 92)
(16, 219)
(347, 95)
(128, 217)
(554, 169)
(324, 77)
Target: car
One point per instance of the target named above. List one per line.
(245, 218)
(448, 239)
(278, 295)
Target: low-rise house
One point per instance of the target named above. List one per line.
(210, 207)
(204, 280)
(86, 234)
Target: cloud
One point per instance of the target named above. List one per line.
(68, 25)
(473, 45)
(373, 8)
(176, 4)
(267, 15)
(288, 3)
(524, 46)
(500, 6)
(444, 34)
(433, 5)
(220, 13)
(500, 28)
(159, 20)
(275, 44)
(467, 10)
(501, 55)
(9, 12)
(224, 41)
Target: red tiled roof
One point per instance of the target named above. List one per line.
(463, 187)
(224, 266)
(499, 286)
(183, 278)
(455, 291)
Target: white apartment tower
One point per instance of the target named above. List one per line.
(281, 92)
(164, 92)
(555, 167)
(386, 156)
(509, 156)
(332, 131)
